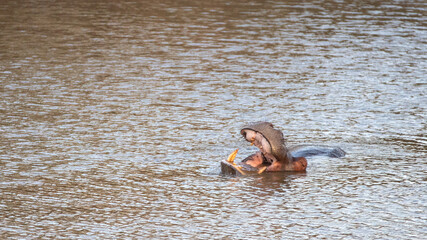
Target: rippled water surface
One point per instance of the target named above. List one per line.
(114, 116)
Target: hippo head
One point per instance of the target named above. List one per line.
(269, 140)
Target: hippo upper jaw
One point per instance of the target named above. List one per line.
(257, 139)
(270, 141)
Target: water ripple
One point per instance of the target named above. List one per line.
(114, 117)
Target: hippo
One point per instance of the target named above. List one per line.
(273, 154)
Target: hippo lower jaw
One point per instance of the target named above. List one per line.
(257, 163)
(229, 166)
(265, 161)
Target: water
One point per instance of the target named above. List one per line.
(115, 115)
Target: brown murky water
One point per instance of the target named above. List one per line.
(115, 115)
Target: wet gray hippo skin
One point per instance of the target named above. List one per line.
(275, 155)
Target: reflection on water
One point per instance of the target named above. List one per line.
(115, 115)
